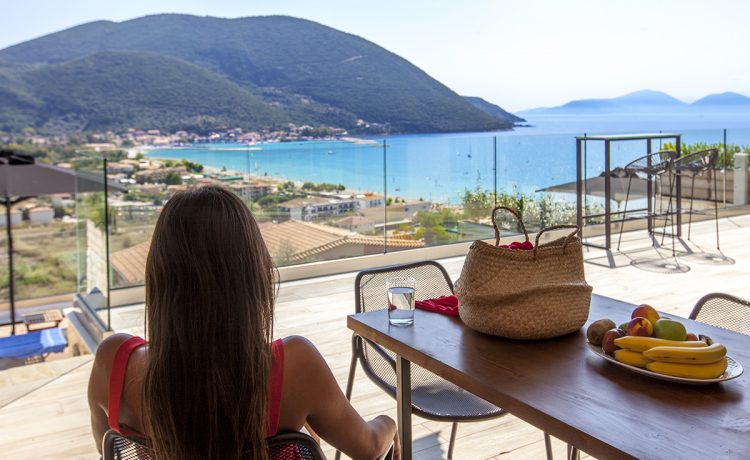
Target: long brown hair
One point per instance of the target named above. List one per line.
(210, 290)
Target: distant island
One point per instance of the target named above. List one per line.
(648, 101)
(174, 72)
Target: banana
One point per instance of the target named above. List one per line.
(640, 343)
(690, 371)
(632, 358)
(703, 355)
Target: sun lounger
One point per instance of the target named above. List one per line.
(33, 344)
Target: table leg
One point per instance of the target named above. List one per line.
(403, 405)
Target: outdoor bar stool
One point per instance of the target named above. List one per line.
(723, 310)
(694, 164)
(433, 397)
(653, 165)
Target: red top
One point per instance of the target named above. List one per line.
(117, 381)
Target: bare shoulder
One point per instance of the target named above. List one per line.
(300, 352)
(105, 353)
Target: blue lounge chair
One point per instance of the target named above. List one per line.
(33, 344)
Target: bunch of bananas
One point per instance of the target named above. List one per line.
(693, 359)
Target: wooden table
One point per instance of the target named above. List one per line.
(562, 388)
(42, 320)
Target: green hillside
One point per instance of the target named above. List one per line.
(302, 71)
(147, 90)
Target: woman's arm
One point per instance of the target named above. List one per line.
(310, 388)
(98, 389)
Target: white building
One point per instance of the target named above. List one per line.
(313, 207)
(41, 215)
(15, 218)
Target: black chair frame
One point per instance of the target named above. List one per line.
(651, 170)
(276, 446)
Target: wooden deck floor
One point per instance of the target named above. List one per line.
(53, 420)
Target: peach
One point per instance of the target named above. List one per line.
(646, 311)
(691, 336)
(640, 326)
(608, 341)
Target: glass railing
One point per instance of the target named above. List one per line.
(324, 200)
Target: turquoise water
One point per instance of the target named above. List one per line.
(440, 167)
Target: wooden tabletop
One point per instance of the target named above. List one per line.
(562, 388)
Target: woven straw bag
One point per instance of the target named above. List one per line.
(518, 294)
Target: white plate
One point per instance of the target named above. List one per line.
(734, 370)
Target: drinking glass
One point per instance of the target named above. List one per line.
(401, 301)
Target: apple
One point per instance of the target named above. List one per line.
(645, 311)
(691, 336)
(624, 326)
(669, 329)
(608, 341)
(640, 326)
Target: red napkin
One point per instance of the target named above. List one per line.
(524, 246)
(445, 305)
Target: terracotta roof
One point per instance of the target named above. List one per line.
(130, 263)
(302, 240)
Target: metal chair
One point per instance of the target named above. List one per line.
(653, 165)
(291, 445)
(695, 164)
(433, 397)
(723, 310)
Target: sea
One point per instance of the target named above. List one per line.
(442, 167)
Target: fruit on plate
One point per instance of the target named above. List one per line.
(669, 329)
(685, 355)
(624, 326)
(608, 341)
(691, 336)
(596, 330)
(645, 311)
(635, 343)
(640, 326)
(632, 358)
(690, 371)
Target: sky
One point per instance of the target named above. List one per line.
(517, 54)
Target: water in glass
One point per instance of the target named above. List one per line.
(401, 305)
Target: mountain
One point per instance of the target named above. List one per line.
(188, 71)
(636, 102)
(726, 100)
(492, 109)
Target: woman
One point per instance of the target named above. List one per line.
(210, 384)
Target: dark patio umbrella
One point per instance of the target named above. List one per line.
(22, 178)
(594, 186)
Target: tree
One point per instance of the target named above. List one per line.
(477, 204)
(173, 179)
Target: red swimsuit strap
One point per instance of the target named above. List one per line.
(117, 382)
(275, 386)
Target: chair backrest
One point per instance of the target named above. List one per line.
(371, 294)
(653, 163)
(370, 285)
(696, 162)
(723, 310)
(291, 445)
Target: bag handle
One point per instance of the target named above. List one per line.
(556, 227)
(497, 229)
